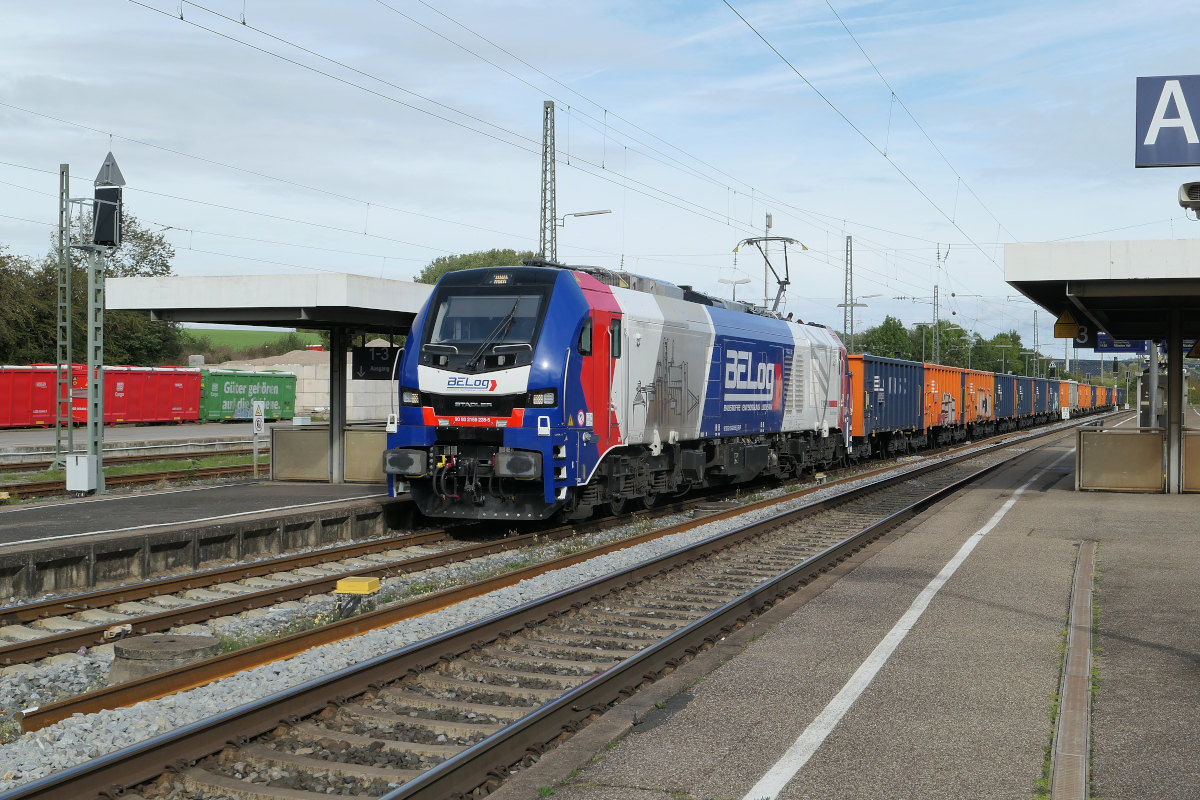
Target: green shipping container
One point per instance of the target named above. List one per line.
(228, 394)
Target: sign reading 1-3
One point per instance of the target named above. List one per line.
(374, 363)
(1165, 126)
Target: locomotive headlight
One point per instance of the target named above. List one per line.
(543, 398)
(410, 397)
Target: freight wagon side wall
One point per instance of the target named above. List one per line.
(943, 395)
(26, 396)
(890, 393)
(1024, 389)
(1041, 395)
(979, 390)
(230, 394)
(1006, 396)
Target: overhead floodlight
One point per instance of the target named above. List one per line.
(563, 220)
(1189, 196)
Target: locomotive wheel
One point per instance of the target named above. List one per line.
(616, 507)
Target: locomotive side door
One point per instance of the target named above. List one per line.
(598, 376)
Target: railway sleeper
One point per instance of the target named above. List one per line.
(521, 646)
(443, 708)
(597, 641)
(309, 735)
(489, 693)
(369, 721)
(511, 678)
(537, 663)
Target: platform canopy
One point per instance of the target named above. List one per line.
(1125, 289)
(354, 303)
(344, 304)
(1141, 290)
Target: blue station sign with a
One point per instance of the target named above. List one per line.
(1107, 344)
(1166, 126)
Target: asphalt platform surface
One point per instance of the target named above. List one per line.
(961, 709)
(187, 505)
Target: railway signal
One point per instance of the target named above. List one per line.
(106, 236)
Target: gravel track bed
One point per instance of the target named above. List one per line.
(80, 738)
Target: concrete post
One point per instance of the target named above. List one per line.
(337, 402)
(1175, 406)
(1152, 386)
(95, 389)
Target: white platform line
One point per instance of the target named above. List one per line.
(771, 784)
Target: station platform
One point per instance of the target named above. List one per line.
(961, 706)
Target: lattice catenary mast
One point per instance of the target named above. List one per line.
(548, 235)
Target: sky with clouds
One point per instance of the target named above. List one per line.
(371, 137)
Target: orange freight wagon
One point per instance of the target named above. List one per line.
(943, 396)
(979, 402)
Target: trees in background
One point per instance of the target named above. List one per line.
(959, 347)
(478, 260)
(29, 304)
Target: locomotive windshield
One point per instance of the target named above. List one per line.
(464, 319)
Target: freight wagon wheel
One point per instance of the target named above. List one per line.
(651, 500)
(616, 507)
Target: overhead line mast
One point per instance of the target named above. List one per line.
(548, 234)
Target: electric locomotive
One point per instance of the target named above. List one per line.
(539, 391)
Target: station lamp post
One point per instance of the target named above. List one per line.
(562, 221)
(1003, 348)
(734, 284)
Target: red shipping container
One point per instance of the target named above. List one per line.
(27, 396)
(131, 394)
(149, 394)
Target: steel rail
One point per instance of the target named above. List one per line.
(103, 598)
(114, 772)
(48, 488)
(69, 641)
(39, 466)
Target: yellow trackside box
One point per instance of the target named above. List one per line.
(357, 586)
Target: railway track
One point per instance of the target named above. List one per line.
(53, 488)
(455, 714)
(65, 624)
(39, 466)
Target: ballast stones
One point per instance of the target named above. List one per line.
(145, 655)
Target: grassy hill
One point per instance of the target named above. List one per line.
(240, 339)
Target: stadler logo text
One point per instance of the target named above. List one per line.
(478, 384)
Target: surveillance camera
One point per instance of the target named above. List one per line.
(1189, 196)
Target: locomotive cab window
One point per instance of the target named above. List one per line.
(615, 338)
(479, 328)
(585, 338)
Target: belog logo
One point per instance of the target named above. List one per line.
(476, 384)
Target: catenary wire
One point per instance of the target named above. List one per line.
(915, 122)
(859, 131)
